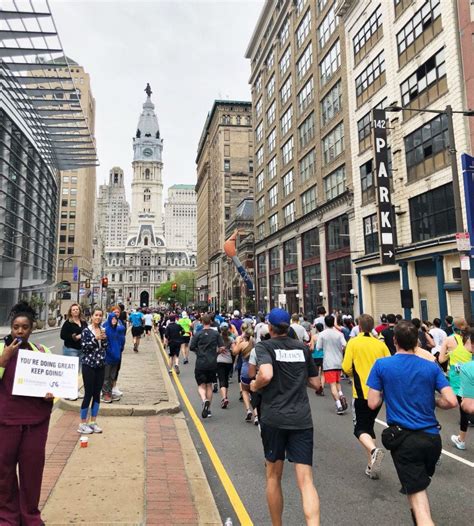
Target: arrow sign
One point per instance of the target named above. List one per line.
(390, 254)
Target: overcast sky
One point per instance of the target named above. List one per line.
(190, 51)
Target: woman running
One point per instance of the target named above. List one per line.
(318, 355)
(458, 349)
(242, 348)
(24, 422)
(224, 363)
(94, 348)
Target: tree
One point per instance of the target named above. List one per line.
(185, 290)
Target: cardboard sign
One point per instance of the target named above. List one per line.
(40, 373)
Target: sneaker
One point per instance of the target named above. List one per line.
(185, 361)
(176, 368)
(116, 391)
(255, 420)
(367, 472)
(458, 443)
(84, 429)
(339, 411)
(205, 409)
(214, 388)
(319, 392)
(225, 403)
(107, 399)
(95, 428)
(248, 416)
(376, 462)
(135, 348)
(171, 371)
(116, 397)
(209, 414)
(343, 401)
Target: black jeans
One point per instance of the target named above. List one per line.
(464, 416)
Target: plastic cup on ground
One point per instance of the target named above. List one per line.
(84, 441)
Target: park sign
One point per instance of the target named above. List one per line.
(382, 184)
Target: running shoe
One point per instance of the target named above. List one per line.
(339, 411)
(116, 391)
(343, 401)
(224, 403)
(95, 428)
(367, 472)
(176, 368)
(84, 429)
(376, 462)
(458, 443)
(107, 399)
(214, 388)
(248, 416)
(116, 397)
(209, 414)
(205, 409)
(255, 420)
(319, 392)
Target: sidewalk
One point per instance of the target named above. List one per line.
(143, 470)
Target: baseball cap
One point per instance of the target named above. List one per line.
(236, 313)
(224, 325)
(278, 316)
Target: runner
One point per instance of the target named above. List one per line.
(24, 422)
(242, 348)
(387, 334)
(438, 335)
(156, 321)
(206, 344)
(361, 354)
(148, 322)
(260, 327)
(136, 319)
(173, 339)
(321, 312)
(333, 343)
(318, 356)
(224, 364)
(300, 331)
(186, 325)
(408, 384)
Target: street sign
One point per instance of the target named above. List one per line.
(64, 286)
(182, 287)
(75, 273)
(463, 241)
(465, 262)
(382, 182)
(282, 299)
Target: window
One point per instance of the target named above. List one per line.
(289, 213)
(260, 231)
(371, 237)
(146, 195)
(333, 144)
(65, 191)
(417, 24)
(284, 32)
(367, 34)
(259, 156)
(299, 6)
(272, 168)
(305, 96)
(307, 166)
(64, 215)
(306, 131)
(147, 174)
(226, 165)
(258, 89)
(338, 233)
(270, 61)
(423, 78)
(432, 214)
(285, 61)
(304, 62)
(331, 104)
(335, 183)
(62, 239)
(72, 203)
(273, 223)
(367, 184)
(322, 4)
(259, 132)
(72, 226)
(327, 27)
(273, 196)
(73, 179)
(285, 121)
(303, 29)
(288, 183)
(271, 113)
(73, 191)
(308, 200)
(271, 87)
(330, 63)
(364, 126)
(260, 181)
(287, 151)
(290, 256)
(66, 179)
(258, 108)
(70, 250)
(370, 74)
(271, 140)
(260, 207)
(64, 202)
(310, 241)
(426, 148)
(285, 91)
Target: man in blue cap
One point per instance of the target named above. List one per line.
(285, 370)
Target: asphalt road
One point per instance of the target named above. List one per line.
(49, 339)
(347, 496)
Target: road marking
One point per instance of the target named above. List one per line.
(229, 487)
(447, 453)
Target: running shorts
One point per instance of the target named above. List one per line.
(173, 348)
(205, 376)
(185, 339)
(294, 444)
(137, 331)
(364, 418)
(318, 362)
(333, 376)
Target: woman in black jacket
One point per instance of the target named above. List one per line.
(71, 331)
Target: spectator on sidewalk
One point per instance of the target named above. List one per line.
(24, 422)
(173, 339)
(94, 348)
(115, 333)
(117, 310)
(285, 371)
(136, 319)
(206, 344)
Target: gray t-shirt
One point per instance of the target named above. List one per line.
(205, 345)
(301, 332)
(285, 402)
(332, 342)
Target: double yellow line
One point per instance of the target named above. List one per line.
(229, 487)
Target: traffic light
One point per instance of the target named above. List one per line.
(174, 287)
(105, 282)
(88, 283)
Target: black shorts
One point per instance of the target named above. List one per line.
(137, 331)
(173, 348)
(364, 418)
(294, 444)
(223, 372)
(205, 376)
(185, 339)
(415, 461)
(318, 362)
(148, 328)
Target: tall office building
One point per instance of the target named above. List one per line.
(224, 177)
(180, 217)
(410, 54)
(303, 182)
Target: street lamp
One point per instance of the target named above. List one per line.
(448, 111)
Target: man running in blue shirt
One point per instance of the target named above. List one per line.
(136, 318)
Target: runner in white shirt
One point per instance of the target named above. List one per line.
(438, 336)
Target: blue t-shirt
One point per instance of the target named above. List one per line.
(408, 384)
(136, 319)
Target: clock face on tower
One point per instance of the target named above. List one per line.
(147, 152)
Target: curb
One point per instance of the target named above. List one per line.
(172, 406)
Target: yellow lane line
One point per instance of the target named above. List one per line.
(229, 487)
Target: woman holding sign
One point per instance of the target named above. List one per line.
(24, 422)
(94, 348)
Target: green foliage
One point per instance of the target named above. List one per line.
(52, 306)
(184, 297)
